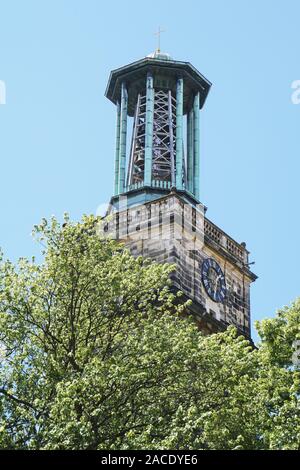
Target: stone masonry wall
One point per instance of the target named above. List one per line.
(170, 230)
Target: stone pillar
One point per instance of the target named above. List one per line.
(116, 185)
(190, 152)
(123, 135)
(196, 123)
(179, 133)
(149, 130)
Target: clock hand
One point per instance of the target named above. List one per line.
(216, 283)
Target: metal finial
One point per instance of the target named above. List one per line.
(158, 33)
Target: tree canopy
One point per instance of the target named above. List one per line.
(96, 352)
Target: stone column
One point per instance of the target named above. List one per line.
(123, 135)
(149, 130)
(179, 133)
(116, 185)
(190, 152)
(196, 123)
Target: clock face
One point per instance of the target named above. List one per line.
(213, 280)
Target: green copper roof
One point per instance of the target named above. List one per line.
(160, 55)
(161, 65)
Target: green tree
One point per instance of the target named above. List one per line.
(96, 352)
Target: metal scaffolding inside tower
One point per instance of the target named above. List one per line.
(164, 96)
(164, 140)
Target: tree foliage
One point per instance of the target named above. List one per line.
(96, 352)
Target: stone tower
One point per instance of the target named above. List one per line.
(156, 208)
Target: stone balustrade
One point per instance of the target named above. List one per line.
(214, 234)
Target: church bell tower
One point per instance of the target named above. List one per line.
(155, 209)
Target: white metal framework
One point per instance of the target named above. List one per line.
(163, 144)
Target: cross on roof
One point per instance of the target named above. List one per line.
(158, 33)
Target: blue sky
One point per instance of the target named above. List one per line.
(57, 129)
